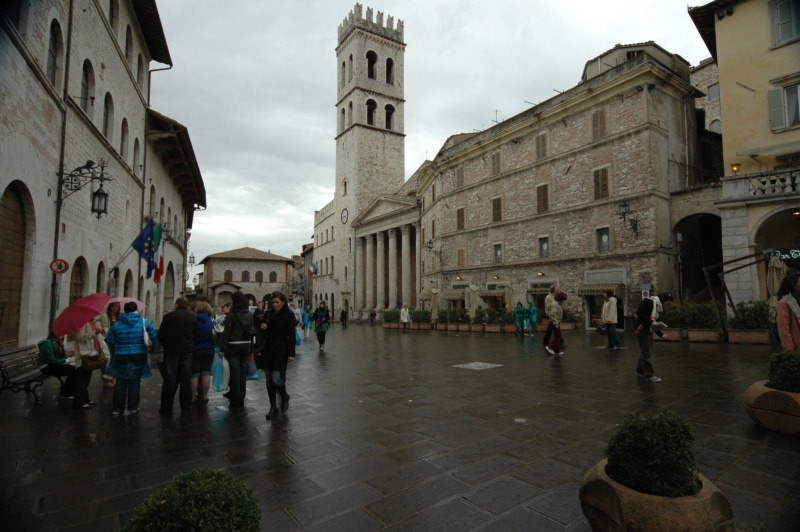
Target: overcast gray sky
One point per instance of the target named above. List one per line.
(255, 83)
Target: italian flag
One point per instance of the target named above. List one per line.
(158, 257)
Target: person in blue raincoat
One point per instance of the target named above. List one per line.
(520, 318)
(533, 318)
(130, 362)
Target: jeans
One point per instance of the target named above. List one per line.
(126, 388)
(238, 355)
(613, 338)
(644, 368)
(176, 369)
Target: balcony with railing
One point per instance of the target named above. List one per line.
(762, 187)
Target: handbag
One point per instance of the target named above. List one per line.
(98, 358)
(218, 373)
(297, 339)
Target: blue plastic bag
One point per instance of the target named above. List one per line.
(218, 374)
(297, 339)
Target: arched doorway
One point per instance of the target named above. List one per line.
(127, 289)
(169, 289)
(699, 240)
(12, 265)
(781, 231)
(78, 281)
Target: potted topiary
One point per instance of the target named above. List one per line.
(702, 322)
(198, 500)
(391, 319)
(421, 319)
(463, 320)
(492, 320)
(775, 403)
(479, 320)
(750, 323)
(649, 481)
(507, 320)
(441, 319)
(674, 315)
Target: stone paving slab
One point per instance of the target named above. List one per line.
(385, 432)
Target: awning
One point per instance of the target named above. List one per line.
(775, 150)
(453, 293)
(539, 290)
(426, 293)
(495, 292)
(600, 288)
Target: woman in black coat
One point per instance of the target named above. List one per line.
(278, 351)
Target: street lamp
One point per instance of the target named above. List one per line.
(72, 182)
(623, 211)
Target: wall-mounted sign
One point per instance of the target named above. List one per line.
(59, 266)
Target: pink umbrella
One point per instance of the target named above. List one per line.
(123, 300)
(79, 313)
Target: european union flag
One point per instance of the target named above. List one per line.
(145, 246)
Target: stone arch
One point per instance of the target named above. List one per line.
(389, 116)
(17, 232)
(371, 107)
(778, 229)
(87, 88)
(698, 238)
(100, 282)
(55, 54)
(127, 286)
(390, 71)
(273, 277)
(372, 64)
(78, 280)
(108, 117)
(169, 287)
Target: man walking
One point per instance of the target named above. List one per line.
(176, 335)
(609, 318)
(343, 318)
(548, 301)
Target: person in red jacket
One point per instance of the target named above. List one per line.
(788, 312)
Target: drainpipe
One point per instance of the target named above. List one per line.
(54, 284)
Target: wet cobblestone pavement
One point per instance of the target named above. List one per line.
(385, 432)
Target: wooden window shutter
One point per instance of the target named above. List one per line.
(541, 199)
(777, 116)
(598, 124)
(497, 210)
(496, 163)
(460, 218)
(601, 183)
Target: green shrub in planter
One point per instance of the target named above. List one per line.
(651, 453)
(391, 316)
(750, 315)
(506, 316)
(441, 315)
(480, 316)
(198, 500)
(784, 371)
(492, 316)
(421, 316)
(674, 315)
(701, 316)
(568, 317)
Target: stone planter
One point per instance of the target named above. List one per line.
(748, 336)
(493, 328)
(477, 327)
(508, 328)
(673, 335)
(608, 505)
(774, 409)
(442, 326)
(464, 327)
(703, 335)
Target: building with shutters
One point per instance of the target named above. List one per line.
(75, 83)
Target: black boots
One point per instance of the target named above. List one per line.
(272, 392)
(284, 400)
(273, 412)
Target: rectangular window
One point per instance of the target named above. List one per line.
(496, 163)
(498, 253)
(433, 193)
(497, 209)
(541, 146)
(542, 204)
(601, 183)
(784, 107)
(544, 247)
(785, 21)
(462, 257)
(598, 124)
(713, 91)
(460, 218)
(459, 177)
(603, 240)
(792, 95)
(433, 228)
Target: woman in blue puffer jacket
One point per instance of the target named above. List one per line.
(130, 362)
(203, 354)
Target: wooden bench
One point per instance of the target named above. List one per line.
(19, 370)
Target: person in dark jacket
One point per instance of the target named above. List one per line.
(236, 341)
(322, 322)
(203, 354)
(278, 351)
(129, 363)
(176, 334)
(643, 326)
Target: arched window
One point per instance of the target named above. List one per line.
(127, 288)
(341, 121)
(161, 210)
(389, 116)
(371, 106)
(372, 59)
(78, 280)
(350, 68)
(136, 156)
(113, 15)
(350, 114)
(344, 186)
(245, 277)
(129, 46)
(140, 72)
(87, 88)
(345, 274)
(350, 245)
(273, 277)
(259, 277)
(342, 78)
(390, 71)
(55, 53)
(326, 235)
(101, 278)
(152, 201)
(326, 266)
(228, 276)
(331, 264)
(123, 141)
(108, 117)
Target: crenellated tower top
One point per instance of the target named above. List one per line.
(356, 19)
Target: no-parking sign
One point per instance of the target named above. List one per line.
(59, 266)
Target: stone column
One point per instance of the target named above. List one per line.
(380, 270)
(358, 275)
(405, 267)
(370, 273)
(393, 268)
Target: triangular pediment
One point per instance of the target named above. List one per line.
(384, 207)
